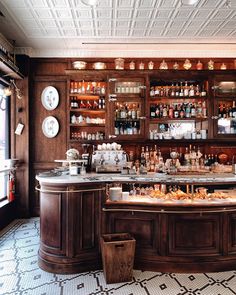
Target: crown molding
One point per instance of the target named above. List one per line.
(6, 44)
(136, 50)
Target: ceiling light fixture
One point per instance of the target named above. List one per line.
(89, 2)
(189, 2)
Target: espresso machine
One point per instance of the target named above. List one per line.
(108, 160)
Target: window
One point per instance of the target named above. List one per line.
(4, 140)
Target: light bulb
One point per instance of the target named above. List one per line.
(89, 2)
(189, 2)
(7, 91)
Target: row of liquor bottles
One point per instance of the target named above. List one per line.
(94, 104)
(227, 110)
(153, 160)
(127, 127)
(82, 87)
(179, 110)
(84, 135)
(127, 111)
(178, 90)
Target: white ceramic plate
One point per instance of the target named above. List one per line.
(50, 127)
(50, 98)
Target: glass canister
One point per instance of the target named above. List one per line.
(210, 65)
(175, 66)
(132, 65)
(150, 65)
(119, 64)
(163, 65)
(199, 66)
(187, 64)
(223, 66)
(141, 66)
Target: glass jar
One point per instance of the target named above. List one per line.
(223, 66)
(210, 65)
(119, 63)
(187, 64)
(141, 66)
(199, 65)
(175, 66)
(150, 65)
(132, 65)
(163, 65)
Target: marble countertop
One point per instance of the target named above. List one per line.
(211, 178)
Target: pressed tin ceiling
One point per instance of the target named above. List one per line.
(68, 25)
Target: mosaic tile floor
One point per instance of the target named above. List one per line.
(20, 274)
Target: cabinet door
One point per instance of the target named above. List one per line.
(194, 235)
(232, 233)
(143, 227)
(225, 108)
(126, 108)
(84, 220)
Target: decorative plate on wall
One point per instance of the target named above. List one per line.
(50, 98)
(50, 127)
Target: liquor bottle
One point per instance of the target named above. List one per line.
(181, 93)
(72, 87)
(152, 91)
(176, 112)
(186, 89)
(117, 129)
(197, 90)
(76, 87)
(95, 105)
(203, 92)
(152, 111)
(191, 91)
(103, 89)
(142, 157)
(135, 127)
(133, 113)
(171, 112)
(193, 110)
(204, 109)
(181, 112)
(188, 111)
(103, 103)
(82, 104)
(220, 110)
(172, 91)
(88, 105)
(234, 110)
(157, 111)
(199, 113)
(177, 90)
(157, 91)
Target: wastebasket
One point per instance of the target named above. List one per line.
(118, 257)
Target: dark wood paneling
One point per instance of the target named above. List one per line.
(232, 233)
(192, 235)
(143, 227)
(52, 236)
(48, 149)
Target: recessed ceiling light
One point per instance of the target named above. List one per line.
(89, 2)
(189, 2)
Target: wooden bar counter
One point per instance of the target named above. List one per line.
(171, 236)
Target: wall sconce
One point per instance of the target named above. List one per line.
(8, 90)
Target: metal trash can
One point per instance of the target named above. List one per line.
(118, 257)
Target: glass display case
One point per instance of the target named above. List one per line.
(225, 108)
(87, 110)
(178, 109)
(126, 106)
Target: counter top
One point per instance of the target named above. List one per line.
(211, 178)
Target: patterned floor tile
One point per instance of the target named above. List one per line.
(20, 274)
